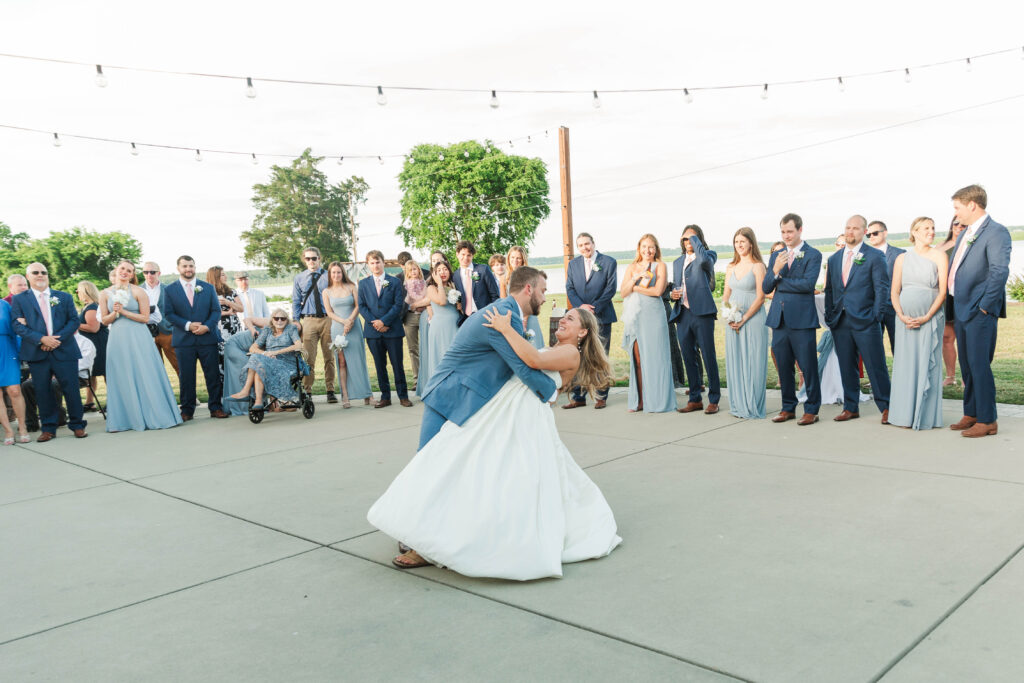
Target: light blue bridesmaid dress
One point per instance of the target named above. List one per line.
(139, 395)
(357, 381)
(746, 352)
(649, 329)
(236, 355)
(533, 324)
(443, 327)
(424, 376)
(916, 397)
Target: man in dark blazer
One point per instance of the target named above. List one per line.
(591, 283)
(793, 318)
(193, 310)
(694, 312)
(856, 291)
(876, 236)
(381, 297)
(46, 321)
(977, 282)
(159, 326)
(475, 282)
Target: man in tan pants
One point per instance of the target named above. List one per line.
(308, 308)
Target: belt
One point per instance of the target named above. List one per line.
(313, 315)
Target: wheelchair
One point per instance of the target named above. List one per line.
(305, 399)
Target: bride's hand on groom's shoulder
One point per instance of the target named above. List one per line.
(502, 322)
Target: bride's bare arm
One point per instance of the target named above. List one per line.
(560, 358)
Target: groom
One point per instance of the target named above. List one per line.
(480, 360)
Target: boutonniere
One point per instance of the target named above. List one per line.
(596, 268)
(858, 259)
(384, 284)
(199, 288)
(530, 334)
(970, 240)
(799, 255)
(476, 276)
(54, 301)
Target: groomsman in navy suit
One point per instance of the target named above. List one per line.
(381, 298)
(192, 308)
(876, 235)
(693, 286)
(977, 282)
(46, 321)
(793, 317)
(856, 290)
(475, 282)
(591, 283)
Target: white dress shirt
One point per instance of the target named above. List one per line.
(958, 255)
(154, 298)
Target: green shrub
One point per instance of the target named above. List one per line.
(1015, 287)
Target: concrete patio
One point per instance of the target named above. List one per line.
(226, 551)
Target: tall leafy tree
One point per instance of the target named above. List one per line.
(469, 191)
(298, 208)
(10, 242)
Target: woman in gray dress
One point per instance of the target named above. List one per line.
(341, 304)
(746, 343)
(918, 292)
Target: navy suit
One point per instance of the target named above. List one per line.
(61, 363)
(980, 285)
(888, 313)
(793, 318)
(190, 347)
(854, 314)
(386, 308)
(598, 292)
(695, 322)
(484, 286)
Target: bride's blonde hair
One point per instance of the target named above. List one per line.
(594, 372)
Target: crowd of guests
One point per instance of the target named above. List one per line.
(931, 302)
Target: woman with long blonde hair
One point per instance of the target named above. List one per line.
(516, 258)
(746, 341)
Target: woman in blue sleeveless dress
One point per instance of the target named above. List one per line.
(341, 304)
(918, 294)
(746, 342)
(139, 395)
(10, 377)
(645, 331)
(444, 319)
(515, 258)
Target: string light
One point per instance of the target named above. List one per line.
(382, 99)
(465, 154)
(199, 155)
(529, 140)
(101, 80)
(381, 160)
(970, 67)
(56, 140)
(341, 160)
(134, 150)
(687, 96)
(254, 159)
(250, 89)
(440, 157)
(906, 75)
(597, 101)
(764, 92)
(842, 86)
(494, 100)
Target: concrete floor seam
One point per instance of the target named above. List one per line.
(657, 445)
(59, 493)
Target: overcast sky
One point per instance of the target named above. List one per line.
(173, 204)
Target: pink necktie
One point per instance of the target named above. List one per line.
(467, 285)
(190, 294)
(586, 264)
(792, 257)
(378, 285)
(847, 265)
(44, 306)
(961, 250)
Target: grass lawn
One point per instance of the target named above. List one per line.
(1008, 364)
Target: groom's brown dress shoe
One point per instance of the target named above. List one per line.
(46, 436)
(981, 429)
(574, 404)
(601, 403)
(784, 416)
(382, 404)
(712, 409)
(807, 419)
(406, 403)
(846, 415)
(691, 407)
(964, 423)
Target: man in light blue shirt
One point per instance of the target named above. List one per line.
(308, 308)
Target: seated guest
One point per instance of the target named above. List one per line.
(341, 303)
(254, 301)
(271, 364)
(139, 395)
(90, 327)
(230, 307)
(10, 378)
(236, 355)
(380, 304)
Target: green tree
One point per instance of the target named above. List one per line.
(74, 255)
(10, 242)
(468, 191)
(298, 208)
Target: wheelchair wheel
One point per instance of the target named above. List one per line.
(255, 416)
(308, 409)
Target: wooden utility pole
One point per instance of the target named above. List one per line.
(566, 182)
(352, 225)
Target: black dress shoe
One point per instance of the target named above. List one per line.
(331, 398)
(185, 418)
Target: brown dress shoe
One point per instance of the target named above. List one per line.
(574, 404)
(885, 416)
(80, 434)
(712, 409)
(45, 436)
(218, 414)
(601, 403)
(846, 415)
(964, 423)
(185, 418)
(691, 407)
(406, 403)
(807, 419)
(382, 404)
(981, 429)
(784, 416)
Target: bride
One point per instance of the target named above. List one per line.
(501, 496)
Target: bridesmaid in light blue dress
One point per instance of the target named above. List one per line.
(424, 332)
(139, 395)
(516, 258)
(918, 293)
(746, 343)
(443, 322)
(341, 303)
(645, 335)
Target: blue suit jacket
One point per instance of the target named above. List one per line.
(981, 276)
(793, 303)
(862, 299)
(700, 282)
(891, 255)
(164, 325)
(386, 308)
(598, 291)
(477, 365)
(205, 309)
(485, 288)
(63, 319)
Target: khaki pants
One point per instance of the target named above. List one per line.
(163, 345)
(411, 323)
(314, 331)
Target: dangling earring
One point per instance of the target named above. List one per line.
(579, 343)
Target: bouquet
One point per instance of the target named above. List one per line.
(414, 290)
(454, 296)
(121, 296)
(339, 342)
(731, 313)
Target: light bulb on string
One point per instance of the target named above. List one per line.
(56, 140)
(134, 150)
(906, 75)
(101, 80)
(382, 99)
(411, 160)
(254, 159)
(764, 92)
(199, 155)
(465, 154)
(842, 86)
(381, 160)
(440, 157)
(510, 145)
(597, 101)
(494, 100)
(250, 89)
(545, 133)
(688, 96)
(341, 160)
(529, 140)
(970, 67)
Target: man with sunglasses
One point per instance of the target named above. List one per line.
(46, 321)
(158, 324)
(876, 234)
(308, 308)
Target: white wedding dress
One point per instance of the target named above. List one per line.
(500, 496)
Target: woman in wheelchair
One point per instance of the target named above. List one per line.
(272, 362)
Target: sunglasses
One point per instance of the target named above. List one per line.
(872, 234)
(150, 272)
(37, 272)
(312, 258)
(278, 318)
